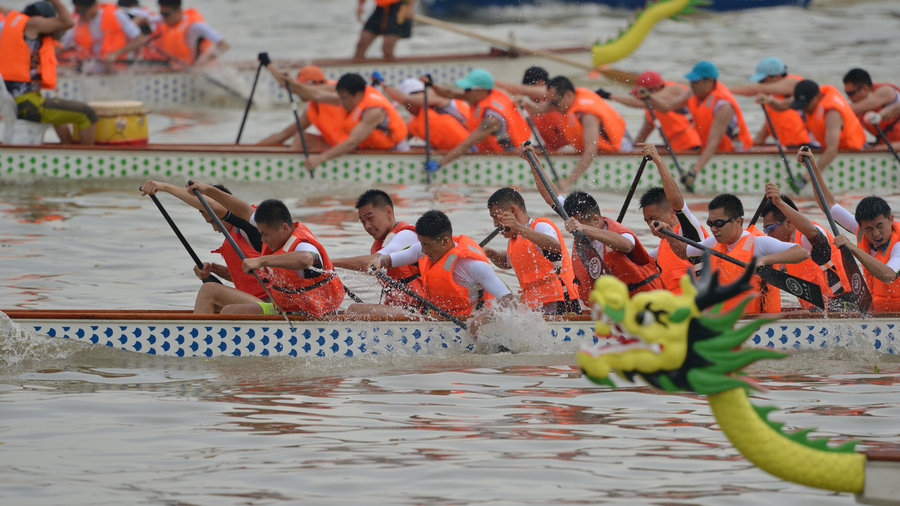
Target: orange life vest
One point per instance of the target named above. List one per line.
(790, 130)
(329, 119)
(15, 55)
(677, 126)
(885, 296)
(444, 130)
(172, 38)
(114, 37)
(811, 271)
(315, 295)
(768, 302)
(612, 125)
(440, 288)
(542, 280)
(637, 269)
(853, 136)
(382, 137)
(704, 113)
(551, 125)
(406, 274)
(516, 132)
(242, 281)
(672, 267)
(386, 3)
(889, 126)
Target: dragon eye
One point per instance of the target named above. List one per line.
(646, 318)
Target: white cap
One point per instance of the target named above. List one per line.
(410, 86)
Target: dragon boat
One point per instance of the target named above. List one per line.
(183, 334)
(852, 171)
(687, 343)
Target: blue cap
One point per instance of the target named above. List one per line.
(702, 70)
(766, 67)
(477, 79)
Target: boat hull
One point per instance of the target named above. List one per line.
(858, 171)
(182, 334)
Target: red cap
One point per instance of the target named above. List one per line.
(310, 74)
(650, 80)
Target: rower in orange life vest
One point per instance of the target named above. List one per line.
(184, 38)
(376, 214)
(726, 222)
(675, 123)
(783, 221)
(457, 275)
(495, 125)
(327, 118)
(371, 120)
(537, 253)
(212, 297)
(293, 264)
(868, 99)
(666, 204)
(771, 78)
(103, 32)
(877, 234)
(550, 124)
(447, 118)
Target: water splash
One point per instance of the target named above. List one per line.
(19, 345)
(520, 331)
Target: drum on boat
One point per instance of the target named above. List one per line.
(120, 123)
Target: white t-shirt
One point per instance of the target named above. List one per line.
(762, 245)
(398, 242)
(128, 26)
(468, 272)
(846, 219)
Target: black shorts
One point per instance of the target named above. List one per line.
(385, 23)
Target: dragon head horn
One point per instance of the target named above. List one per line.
(710, 292)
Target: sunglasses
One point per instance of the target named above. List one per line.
(768, 229)
(851, 93)
(720, 222)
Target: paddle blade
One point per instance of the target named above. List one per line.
(857, 281)
(800, 288)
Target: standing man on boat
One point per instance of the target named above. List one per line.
(877, 234)
(371, 120)
(771, 78)
(28, 65)
(184, 38)
(675, 123)
(103, 33)
(376, 214)
(666, 204)
(495, 125)
(447, 118)
(868, 99)
(212, 297)
(537, 253)
(392, 19)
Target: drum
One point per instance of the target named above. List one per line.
(120, 123)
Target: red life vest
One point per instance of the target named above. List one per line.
(242, 281)
(386, 3)
(444, 130)
(672, 267)
(440, 288)
(114, 37)
(769, 302)
(612, 125)
(885, 296)
(517, 129)
(888, 126)
(677, 126)
(381, 137)
(172, 38)
(316, 296)
(552, 127)
(15, 55)
(542, 280)
(811, 271)
(406, 274)
(790, 130)
(853, 136)
(637, 269)
(704, 113)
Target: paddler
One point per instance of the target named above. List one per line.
(550, 124)
(376, 214)
(212, 297)
(447, 117)
(868, 99)
(103, 32)
(877, 234)
(537, 252)
(28, 65)
(184, 39)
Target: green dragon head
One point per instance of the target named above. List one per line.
(668, 339)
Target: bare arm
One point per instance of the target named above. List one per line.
(877, 268)
(614, 240)
(370, 120)
(237, 206)
(39, 25)
(295, 260)
(591, 127)
(498, 257)
(644, 132)
(357, 263)
(488, 125)
(151, 187)
(670, 186)
(805, 154)
(833, 124)
(802, 223)
(721, 118)
(781, 87)
(532, 91)
(876, 99)
(669, 98)
(446, 91)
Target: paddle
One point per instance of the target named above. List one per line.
(634, 183)
(799, 287)
(346, 290)
(791, 179)
(540, 143)
(263, 61)
(190, 250)
(857, 281)
(430, 166)
(659, 128)
(759, 210)
(239, 252)
(884, 139)
(393, 283)
(484, 242)
(290, 94)
(617, 75)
